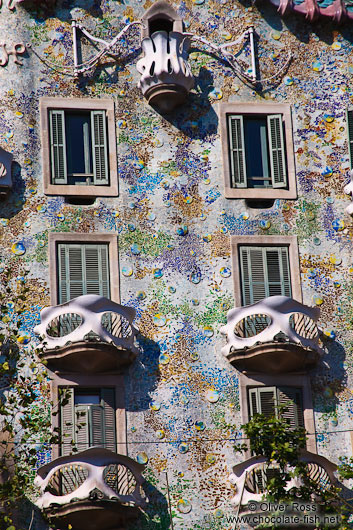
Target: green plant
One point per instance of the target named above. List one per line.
(281, 445)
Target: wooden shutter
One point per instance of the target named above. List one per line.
(350, 135)
(108, 400)
(96, 425)
(83, 269)
(99, 147)
(237, 152)
(277, 151)
(82, 427)
(58, 146)
(252, 275)
(264, 272)
(67, 420)
(292, 399)
(263, 400)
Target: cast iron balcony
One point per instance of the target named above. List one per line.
(88, 334)
(166, 77)
(250, 477)
(275, 335)
(93, 489)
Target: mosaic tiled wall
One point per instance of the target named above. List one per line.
(174, 225)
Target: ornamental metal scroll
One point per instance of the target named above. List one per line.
(16, 50)
(110, 48)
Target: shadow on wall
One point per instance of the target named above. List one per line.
(196, 117)
(327, 383)
(143, 376)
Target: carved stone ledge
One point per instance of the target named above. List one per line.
(274, 358)
(91, 515)
(88, 357)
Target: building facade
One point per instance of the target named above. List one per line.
(175, 193)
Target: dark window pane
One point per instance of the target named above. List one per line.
(78, 143)
(256, 148)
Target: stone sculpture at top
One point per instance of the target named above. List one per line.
(166, 76)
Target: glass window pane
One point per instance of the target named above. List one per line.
(256, 148)
(78, 143)
(87, 399)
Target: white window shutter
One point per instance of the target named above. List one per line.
(237, 151)
(350, 135)
(58, 147)
(67, 420)
(277, 151)
(99, 147)
(263, 400)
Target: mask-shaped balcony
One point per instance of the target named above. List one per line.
(276, 335)
(89, 334)
(93, 489)
(166, 77)
(250, 477)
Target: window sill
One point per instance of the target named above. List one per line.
(81, 191)
(259, 194)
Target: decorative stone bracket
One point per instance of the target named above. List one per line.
(17, 49)
(348, 190)
(166, 77)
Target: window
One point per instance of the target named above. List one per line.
(350, 135)
(79, 151)
(257, 151)
(262, 393)
(264, 272)
(266, 400)
(265, 266)
(83, 264)
(87, 418)
(83, 269)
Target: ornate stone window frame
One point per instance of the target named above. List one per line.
(66, 237)
(89, 381)
(88, 104)
(299, 380)
(161, 10)
(276, 241)
(226, 109)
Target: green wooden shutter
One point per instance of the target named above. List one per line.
(83, 269)
(350, 135)
(58, 147)
(82, 427)
(108, 399)
(264, 272)
(292, 399)
(237, 151)
(99, 147)
(67, 420)
(277, 151)
(96, 425)
(252, 275)
(263, 400)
